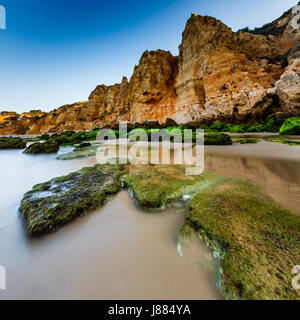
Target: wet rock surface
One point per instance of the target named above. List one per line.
(53, 203)
(12, 143)
(257, 240)
(45, 147)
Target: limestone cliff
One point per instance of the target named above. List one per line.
(219, 75)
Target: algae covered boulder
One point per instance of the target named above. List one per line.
(83, 145)
(154, 187)
(290, 126)
(46, 147)
(217, 138)
(53, 203)
(12, 143)
(247, 141)
(257, 240)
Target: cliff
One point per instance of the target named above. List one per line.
(218, 75)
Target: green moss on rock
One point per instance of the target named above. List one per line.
(72, 137)
(257, 240)
(82, 145)
(290, 126)
(12, 143)
(46, 147)
(56, 202)
(279, 139)
(247, 141)
(217, 138)
(160, 184)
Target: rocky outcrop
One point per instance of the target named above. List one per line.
(288, 87)
(54, 203)
(152, 93)
(215, 79)
(219, 75)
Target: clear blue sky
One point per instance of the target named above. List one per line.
(56, 52)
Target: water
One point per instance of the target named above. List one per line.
(118, 251)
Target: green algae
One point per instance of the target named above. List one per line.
(217, 138)
(12, 143)
(158, 185)
(247, 141)
(256, 239)
(58, 201)
(46, 147)
(283, 140)
(290, 126)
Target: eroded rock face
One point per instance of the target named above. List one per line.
(216, 80)
(151, 89)
(288, 87)
(219, 75)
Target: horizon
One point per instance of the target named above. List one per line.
(77, 47)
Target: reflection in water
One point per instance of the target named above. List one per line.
(279, 178)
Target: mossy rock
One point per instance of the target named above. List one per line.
(160, 184)
(72, 137)
(12, 143)
(56, 202)
(46, 147)
(79, 153)
(44, 137)
(279, 139)
(218, 126)
(290, 126)
(257, 239)
(247, 141)
(235, 128)
(82, 145)
(217, 138)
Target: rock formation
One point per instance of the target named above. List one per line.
(219, 75)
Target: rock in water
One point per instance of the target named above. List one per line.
(257, 240)
(217, 139)
(56, 202)
(161, 184)
(12, 143)
(46, 147)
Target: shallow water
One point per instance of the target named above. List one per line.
(274, 166)
(118, 251)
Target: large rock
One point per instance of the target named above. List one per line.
(56, 202)
(12, 143)
(288, 87)
(216, 80)
(151, 87)
(46, 147)
(257, 240)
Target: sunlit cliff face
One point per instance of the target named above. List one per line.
(218, 75)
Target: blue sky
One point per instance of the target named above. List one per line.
(56, 52)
